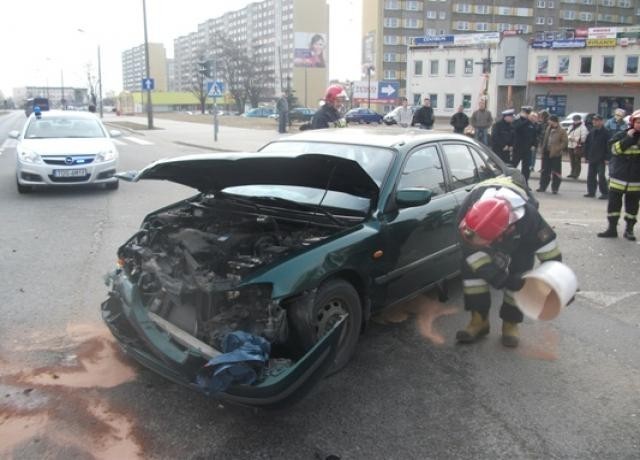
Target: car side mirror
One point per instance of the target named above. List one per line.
(128, 176)
(115, 133)
(14, 134)
(412, 197)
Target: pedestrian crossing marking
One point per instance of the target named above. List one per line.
(135, 140)
(118, 142)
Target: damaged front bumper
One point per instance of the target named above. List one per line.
(178, 356)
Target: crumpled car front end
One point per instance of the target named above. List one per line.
(184, 284)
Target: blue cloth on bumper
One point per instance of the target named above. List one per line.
(243, 359)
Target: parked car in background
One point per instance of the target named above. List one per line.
(301, 114)
(363, 116)
(259, 112)
(64, 148)
(587, 119)
(296, 245)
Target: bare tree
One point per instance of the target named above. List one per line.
(200, 74)
(257, 75)
(92, 83)
(244, 71)
(231, 62)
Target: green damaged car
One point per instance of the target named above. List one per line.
(289, 249)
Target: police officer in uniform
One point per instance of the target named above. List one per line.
(502, 136)
(524, 139)
(501, 231)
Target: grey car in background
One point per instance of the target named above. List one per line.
(65, 148)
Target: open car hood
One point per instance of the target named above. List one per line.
(217, 171)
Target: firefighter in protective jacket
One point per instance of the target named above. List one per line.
(624, 180)
(501, 232)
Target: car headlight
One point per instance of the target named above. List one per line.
(106, 155)
(28, 156)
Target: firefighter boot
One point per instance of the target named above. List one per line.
(611, 231)
(628, 232)
(510, 334)
(477, 327)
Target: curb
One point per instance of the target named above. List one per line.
(204, 147)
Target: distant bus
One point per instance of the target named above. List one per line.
(30, 103)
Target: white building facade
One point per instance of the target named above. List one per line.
(587, 74)
(452, 73)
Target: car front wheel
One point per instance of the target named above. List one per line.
(333, 300)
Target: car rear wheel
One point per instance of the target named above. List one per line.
(333, 299)
(22, 188)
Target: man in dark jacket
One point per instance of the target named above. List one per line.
(459, 121)
(624, 179)
(597, 154)
(502, 136)
(501, 231)
(328, 116)
(524, 139)
(424, 115)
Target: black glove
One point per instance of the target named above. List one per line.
(514, 282)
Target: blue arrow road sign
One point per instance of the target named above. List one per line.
(148, 84)
(215, 89)
(388, 89)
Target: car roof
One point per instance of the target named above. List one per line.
(385, 137)
(67, 114)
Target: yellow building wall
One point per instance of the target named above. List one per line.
(311, 16)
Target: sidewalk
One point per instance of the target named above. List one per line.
(197, 134)
(566, 169)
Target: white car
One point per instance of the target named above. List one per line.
(64, 148)
(568, 121)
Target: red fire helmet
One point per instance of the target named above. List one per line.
(333, 92)
(485, 221)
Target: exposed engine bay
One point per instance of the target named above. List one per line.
(189, 262)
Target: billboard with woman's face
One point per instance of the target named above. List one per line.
(309, 49)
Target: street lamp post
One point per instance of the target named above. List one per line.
(370, 68)
(146, 59)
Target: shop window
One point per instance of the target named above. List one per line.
(448, 101)
(563, 64)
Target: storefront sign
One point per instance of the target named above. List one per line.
(549, 78)
(602, 32)
(629, 32)
(433, 40)
(542, 44)
(476, 39)
(575, 43)
(581, 33)
(601, 42)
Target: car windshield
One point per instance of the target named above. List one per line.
(63, 127)
(374, 160)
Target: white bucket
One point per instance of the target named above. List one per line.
(546, 290)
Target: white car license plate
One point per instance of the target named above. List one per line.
(69, 172)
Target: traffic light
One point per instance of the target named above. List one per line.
(204, 67)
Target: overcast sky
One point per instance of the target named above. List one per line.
(39, 38)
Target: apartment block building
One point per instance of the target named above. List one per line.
(280, 34)
(134, 69)
(389, 25)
